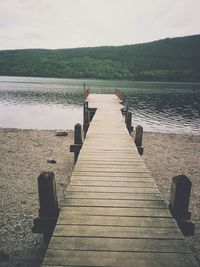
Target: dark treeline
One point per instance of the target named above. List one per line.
(176, 59)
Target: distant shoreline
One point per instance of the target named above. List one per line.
(102, 79)
(24, 154)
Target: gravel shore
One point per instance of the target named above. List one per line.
(24, 154)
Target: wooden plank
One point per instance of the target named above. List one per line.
(106, 162)
(122, 167)
(113, 184)
(158, 204)
(117, 232)
(118, 244)
(118, 259)
(110, 174)
(109, 170)
(112, 179)
(117, 196)
(115, 168)
(149, 222)
(105, 189)
(110, 211)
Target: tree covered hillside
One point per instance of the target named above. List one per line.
(176, 59)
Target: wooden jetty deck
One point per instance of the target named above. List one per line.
(113, 212)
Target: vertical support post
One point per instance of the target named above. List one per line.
(138, 139)
(77, 142)
(129, 122)
(126, 112)
(78, 134)
(86, 93)
(85, 108)
(48, 211)
(47, 195)
(118, 93)
(179, 203)
(86, 122)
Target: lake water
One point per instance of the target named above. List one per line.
(48, 103)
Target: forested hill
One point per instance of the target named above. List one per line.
(176, 59)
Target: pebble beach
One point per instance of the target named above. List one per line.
(26, 153)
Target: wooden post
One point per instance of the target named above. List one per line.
(78, 134)
(77, 142)
(86, 122)
(48, 211)
(85, 108)
(47, 195)
(86, 93)
(138, 139)
(118, 93)
(129, 122)
(126, 112)
(179, 203)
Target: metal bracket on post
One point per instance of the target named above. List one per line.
(48, 211)
(77, 142)
(138, 139)
(179, 203)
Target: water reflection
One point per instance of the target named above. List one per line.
(46, 103)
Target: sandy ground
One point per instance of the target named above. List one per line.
(24, 154)
(168, 155)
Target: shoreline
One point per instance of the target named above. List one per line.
(24, 155)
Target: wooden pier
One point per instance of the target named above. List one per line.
(113, 212)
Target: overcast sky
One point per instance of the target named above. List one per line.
(80, 23)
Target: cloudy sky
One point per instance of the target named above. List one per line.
(79, 23)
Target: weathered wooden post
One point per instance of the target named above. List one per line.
(77, 142)
(48, 211)
(118, 93)
(126, 112)
(86, 122)
(129, 122)
(86, 93)
(179, 203)
(85, 109)
(138, 139)
(85, 106)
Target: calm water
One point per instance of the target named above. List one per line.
(47, 103)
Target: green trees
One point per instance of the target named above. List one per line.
(176, 59)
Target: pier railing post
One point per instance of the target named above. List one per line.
(119, 94)
(138, 139)
(77, 141)
(86, 93)
(129, 122)
(126, 112)
(48, 211)
(86, 122)
(179, 203)
(85, 107)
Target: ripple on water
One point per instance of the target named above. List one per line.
(47, 103)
